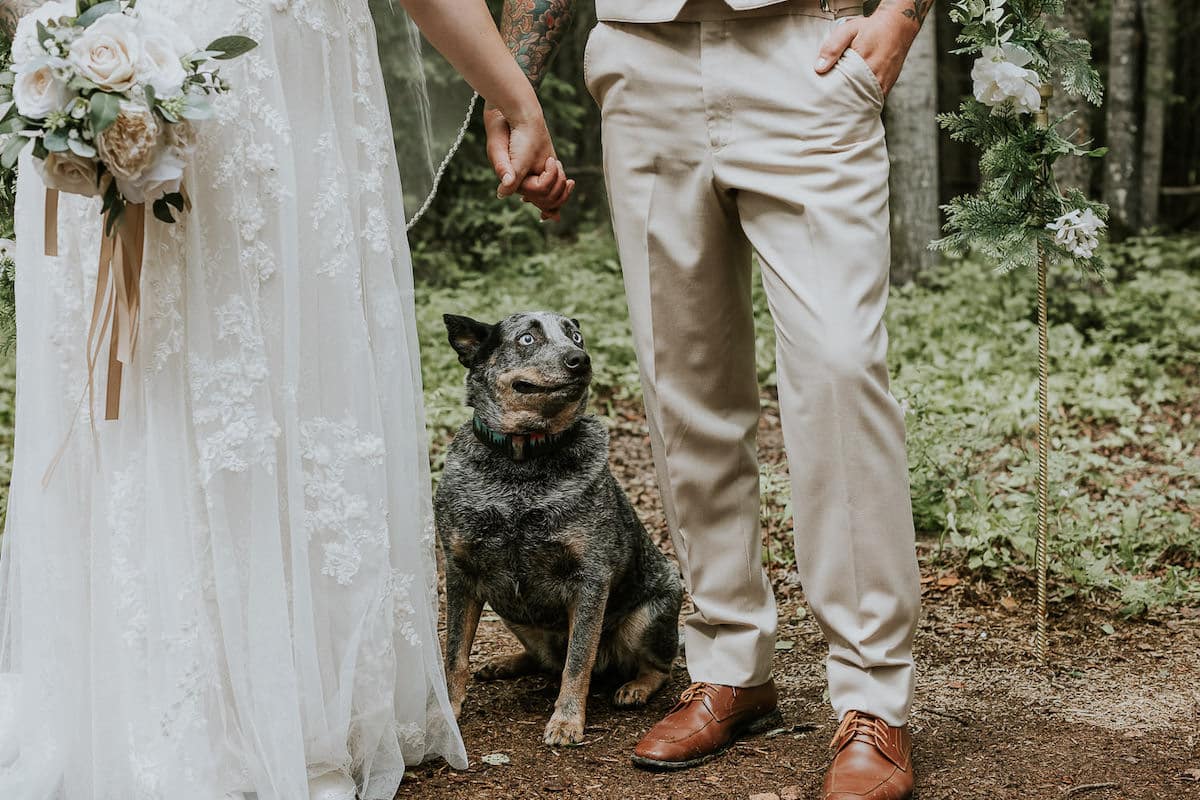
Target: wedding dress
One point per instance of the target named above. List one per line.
(232, 588)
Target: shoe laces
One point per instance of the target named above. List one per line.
(856, 724)
(697, 691)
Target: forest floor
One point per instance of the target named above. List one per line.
(1112, 717)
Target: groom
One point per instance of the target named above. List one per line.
(733, 126)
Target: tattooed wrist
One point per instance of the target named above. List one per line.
(915, 10)
(11, 12)
(533, 29)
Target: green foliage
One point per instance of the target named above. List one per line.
(1125, 474)
(1005, 220)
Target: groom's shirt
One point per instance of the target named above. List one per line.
(695, 10)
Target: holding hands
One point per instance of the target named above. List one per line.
(524, 160)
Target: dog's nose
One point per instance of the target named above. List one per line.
(577, 361)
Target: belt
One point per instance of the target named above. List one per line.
(842, 8)
(698, 10)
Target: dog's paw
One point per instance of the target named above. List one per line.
(634, 693)
(564, 731)
(505, 667)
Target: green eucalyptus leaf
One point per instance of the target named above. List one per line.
(81, 148)
(228, 47)
(162, 211)
(97, 11)
(104, 108)
(12, 151)
(196, 108)
(56, 141)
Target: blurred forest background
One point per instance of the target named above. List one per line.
(1124, 349)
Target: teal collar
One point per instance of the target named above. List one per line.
(521, 446)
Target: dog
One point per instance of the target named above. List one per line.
(533, 523)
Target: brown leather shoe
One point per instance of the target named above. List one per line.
(871, 761)
(706, 720)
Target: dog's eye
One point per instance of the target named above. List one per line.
(526, 339)
(577, 336)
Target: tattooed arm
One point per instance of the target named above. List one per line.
(11, 12)
(532, 29)
(882, 39)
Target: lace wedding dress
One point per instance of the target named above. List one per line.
(232, 588)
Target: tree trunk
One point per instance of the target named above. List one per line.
(1157, 17)
(1121, 190)
(1074, 173)
(912, 138)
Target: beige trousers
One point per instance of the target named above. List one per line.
(720, 139)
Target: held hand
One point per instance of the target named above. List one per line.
(524, 160)
(881, 39)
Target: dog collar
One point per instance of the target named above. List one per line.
(520, 446)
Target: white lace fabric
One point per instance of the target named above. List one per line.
(232, 587)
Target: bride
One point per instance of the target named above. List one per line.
(231, 591)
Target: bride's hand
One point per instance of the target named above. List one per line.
(523, 156)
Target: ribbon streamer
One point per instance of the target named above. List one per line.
(116, 309)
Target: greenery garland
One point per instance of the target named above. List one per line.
(1019, 211)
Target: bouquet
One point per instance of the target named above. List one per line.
(109, 96)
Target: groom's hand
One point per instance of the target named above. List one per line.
(882, 39)
(524, 161)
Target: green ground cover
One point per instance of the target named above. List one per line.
(1124, 353)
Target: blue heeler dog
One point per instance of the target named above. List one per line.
(533, 523)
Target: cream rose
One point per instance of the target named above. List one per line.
(131, 143)
(25, 42)
(39, 91)
(108, 52)
(163, 177)
(68, 173)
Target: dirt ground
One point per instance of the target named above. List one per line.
(1114, 716)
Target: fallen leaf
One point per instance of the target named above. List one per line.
(1192, 775)
(955, 684)
(1009, 602)
(1108, 629)
(790, 793)
(783, 644)
(496, 759)
(948, 581)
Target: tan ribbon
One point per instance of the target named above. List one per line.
(116, 313)
(52, 222)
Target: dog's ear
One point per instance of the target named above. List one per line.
(466, 336)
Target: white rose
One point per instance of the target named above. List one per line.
(108, 52)
(131, 144)
(68, 173)
(164, 176)
(164, 44)
(1000, 76)
(39, 91)
(25, 41)
(161, 67)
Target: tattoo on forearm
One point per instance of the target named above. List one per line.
(11, 12)
(916, 10)
(533, 29)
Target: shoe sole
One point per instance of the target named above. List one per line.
(763, 724)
